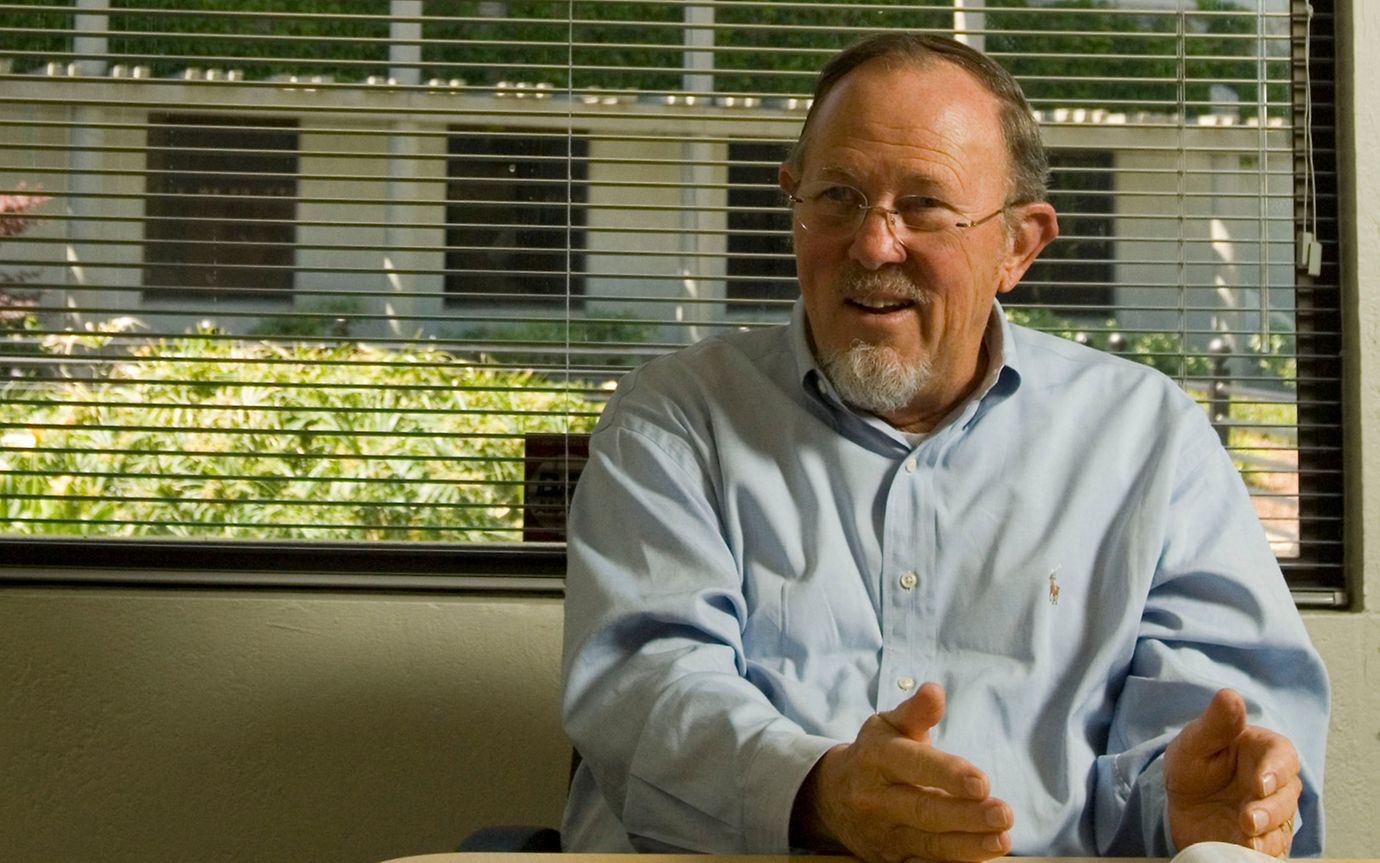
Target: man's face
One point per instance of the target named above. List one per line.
(930, 131)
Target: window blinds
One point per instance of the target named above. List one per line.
(316, 274)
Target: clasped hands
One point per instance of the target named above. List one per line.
(891, 796)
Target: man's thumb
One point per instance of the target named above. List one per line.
(915, 716)
(1216, 727)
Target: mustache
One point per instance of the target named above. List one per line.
(858, 283)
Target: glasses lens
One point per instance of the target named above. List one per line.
(837, 210)
(924, 215)
(830, 209)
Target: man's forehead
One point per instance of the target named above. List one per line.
(914, 180)
(935, 78)
(934, 105)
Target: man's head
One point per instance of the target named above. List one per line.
(939, 143)
(1029, 163)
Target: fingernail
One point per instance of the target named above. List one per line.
(974, 787)
(992, 843)
(1267, 784)
(1259, 819)
(996, 818)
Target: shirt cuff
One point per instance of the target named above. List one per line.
(774, 778)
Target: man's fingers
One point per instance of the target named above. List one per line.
(1260, 817)
(918, 846)
(932, 811)
(910, 760)
(915, 716)
(905, 762)
(1279, 835)
(1267, 759)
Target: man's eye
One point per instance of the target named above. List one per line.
(920, 205)
(841, 196)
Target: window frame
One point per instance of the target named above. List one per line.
(335, 564)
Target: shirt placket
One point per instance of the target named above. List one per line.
(908, 561)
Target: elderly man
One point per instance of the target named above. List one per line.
(782, 534)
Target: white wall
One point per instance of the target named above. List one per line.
(151, 726)
(171, 725)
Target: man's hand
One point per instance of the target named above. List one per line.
(890, 795)
(1227, 781)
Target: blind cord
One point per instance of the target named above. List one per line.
(1309, 249)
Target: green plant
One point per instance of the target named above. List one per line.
(343, 39)
(313, 320)
(14, 207)
(553, 335)
(1066, 53)
(212, 436)
(17, 307)
(1164, 351)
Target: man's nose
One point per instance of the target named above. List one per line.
(876, 243)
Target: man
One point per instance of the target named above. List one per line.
(782, 534)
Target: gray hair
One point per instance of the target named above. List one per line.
(1025, 151)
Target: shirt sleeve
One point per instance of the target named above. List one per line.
(685, 751)
(1218, 615)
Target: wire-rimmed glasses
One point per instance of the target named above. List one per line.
(837, 210)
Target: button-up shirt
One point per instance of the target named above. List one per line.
(754, 569)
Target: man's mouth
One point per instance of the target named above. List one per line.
(879, 305)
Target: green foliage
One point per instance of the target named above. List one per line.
(1275, 366)
(1092, 53)
(209, 436)
(612, 45)
(1067, 53)
(17, 319)
(1276, 357)
(778, 48)
(611, 332)
(315, 320)
(35, 38)
(1159, 350)
(345, 39)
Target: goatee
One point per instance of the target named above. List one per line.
(870, 377)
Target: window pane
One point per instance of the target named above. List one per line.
(340, 271)
(220, 210)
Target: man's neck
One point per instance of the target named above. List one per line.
(925, 413)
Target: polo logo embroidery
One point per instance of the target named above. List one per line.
(1054, 585)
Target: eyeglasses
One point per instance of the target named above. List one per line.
(837, 210)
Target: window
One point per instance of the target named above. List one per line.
(515, 214)
(760, 265)
(343, 276)
(221, 209)
(1073, 278)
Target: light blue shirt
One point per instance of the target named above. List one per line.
(754, 569)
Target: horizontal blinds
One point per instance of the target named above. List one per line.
(338, 271)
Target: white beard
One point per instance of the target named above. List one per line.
(874, 378)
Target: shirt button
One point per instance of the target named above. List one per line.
(910, 465)
(906, 684)
(909, 580)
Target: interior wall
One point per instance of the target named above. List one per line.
(166, 725)
(173, 725)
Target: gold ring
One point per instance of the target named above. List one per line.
(1288, 826)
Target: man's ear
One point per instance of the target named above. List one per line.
(786, 180)
(1037, 228)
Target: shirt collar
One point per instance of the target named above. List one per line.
(1002, 377)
